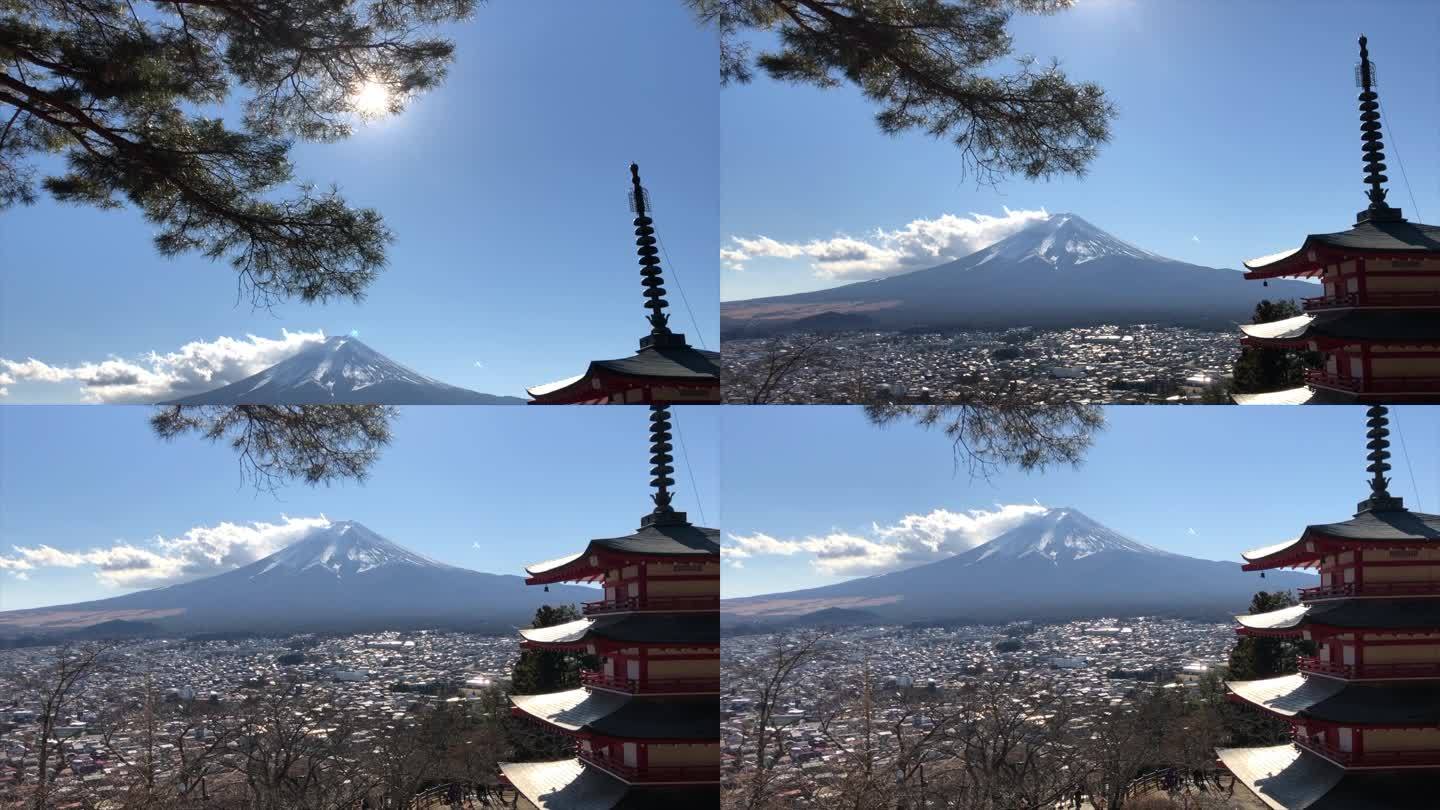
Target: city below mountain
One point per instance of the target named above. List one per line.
(341, 370)
(1057, 272)
(340, 578)
(1057, 565)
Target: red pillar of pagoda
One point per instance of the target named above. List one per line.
(646, 723)
(1376, 315)
(1364, 710)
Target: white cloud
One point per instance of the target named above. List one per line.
(1194, 238)
(920, 244)
(913, 540)
(14, 564)
(194, 368)
(5, 379)
(199, 552)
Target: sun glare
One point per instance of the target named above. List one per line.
(372, 99)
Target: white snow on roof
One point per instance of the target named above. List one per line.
(1256, 264)
(1277, 328)
(541, 390)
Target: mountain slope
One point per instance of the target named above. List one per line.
(1058, 564)
(341, 577)
(1061, 271)
(341, 370)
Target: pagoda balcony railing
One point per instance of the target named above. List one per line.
(1373, 385)
(649, 686)
(1399, 298)
(1369, 759)
(1370, 589)
(1376, 671)
(652, 603)
(651, 773)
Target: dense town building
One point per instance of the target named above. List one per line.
(379, 682)
(1099, 665)
(1108, 364)
(1376, 318)
(646, 724)
(1364, 709)
(666, 369)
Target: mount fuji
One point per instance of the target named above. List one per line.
(1057, 272)
(1058, 564)
(341, 577)
(341, 370)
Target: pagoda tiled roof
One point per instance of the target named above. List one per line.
(1351, 614)
(1286, 777)
(670, 363)
(678, 539)
(1389, 326)
(682, 539)
(1366, 237)
(1343, 701)
(1393, 526)
(624, 716)
(569, 784)
(682, 364)
(656, 628)
(565, 784)
(1399, 524)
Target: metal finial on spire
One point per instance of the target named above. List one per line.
(1378, 435)
(1379, 445)
(660, 459)
(1374, 145)
(652, 280)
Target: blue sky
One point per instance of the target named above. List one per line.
(506, 189)
(1237, 134)
(526, 484)
(1207, 482)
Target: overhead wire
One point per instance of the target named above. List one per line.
(675, 275)
(679, 434)
(1399, 434)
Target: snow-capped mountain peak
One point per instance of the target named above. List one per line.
(344, 548)
(1059, 535)
(341, 369)
(1061, 240)
(338, 361)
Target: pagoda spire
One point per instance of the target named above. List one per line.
(660, 460)
(1380, 500)
(1373, 143)
(652, 280)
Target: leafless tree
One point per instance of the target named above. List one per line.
(295, 753)
(988, 745)
(773, 376)
(1162, 732)
(774, 677)
(54, 688)
(165, 749)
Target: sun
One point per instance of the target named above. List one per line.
(371, 99)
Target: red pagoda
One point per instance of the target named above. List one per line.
(666, 369)
(1376, 318)
(1364, 710)
(646, 724)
